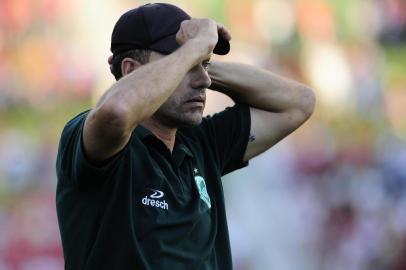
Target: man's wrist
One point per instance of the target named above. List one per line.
(215, 76)
(198, 48)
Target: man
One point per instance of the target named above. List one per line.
(139, 175)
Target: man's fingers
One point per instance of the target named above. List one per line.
(180, 37)
(222, 31)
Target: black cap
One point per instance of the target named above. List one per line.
(154, 27)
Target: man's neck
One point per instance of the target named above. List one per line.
(166, 134)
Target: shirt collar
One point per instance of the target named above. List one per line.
(143, 133)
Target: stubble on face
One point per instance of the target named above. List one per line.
(181, 111)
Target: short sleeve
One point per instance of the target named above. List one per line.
(72, 164)
(228, 134)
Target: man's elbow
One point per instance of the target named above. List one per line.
(112, 119)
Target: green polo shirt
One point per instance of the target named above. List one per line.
(148, 208)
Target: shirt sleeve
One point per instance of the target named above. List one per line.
(72, 164)
(228, 134)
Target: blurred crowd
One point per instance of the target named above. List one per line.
(331, 196)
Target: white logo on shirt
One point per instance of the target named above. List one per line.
(153, 201)
(201, 187)
(157, 194)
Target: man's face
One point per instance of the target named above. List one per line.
(184, 108)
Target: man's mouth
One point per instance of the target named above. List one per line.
(197, 100)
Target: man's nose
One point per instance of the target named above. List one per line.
(201, 78)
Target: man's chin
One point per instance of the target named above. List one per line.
(191, 118)
(184, 120)
(190, 123)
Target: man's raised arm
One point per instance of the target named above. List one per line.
(144, 89)
(278, 106)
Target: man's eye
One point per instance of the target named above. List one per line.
(206, 65)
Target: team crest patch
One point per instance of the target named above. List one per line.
(201, 186)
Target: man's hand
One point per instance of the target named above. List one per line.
(203, 31)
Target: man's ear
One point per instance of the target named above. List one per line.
(128, 65)
(110, 62)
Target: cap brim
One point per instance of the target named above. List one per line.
(222, 46)
(168, 45)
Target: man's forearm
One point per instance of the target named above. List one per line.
(260, 88)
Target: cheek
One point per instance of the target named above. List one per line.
(183, 88)
(171, 105)
(173, 101)
(179, 96)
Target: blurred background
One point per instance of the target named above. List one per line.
(330, 196)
